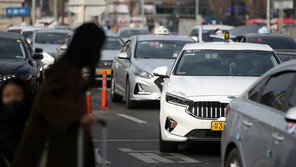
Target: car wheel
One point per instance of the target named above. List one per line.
(234, 159)
(165, 146)
(114, 96)
(130, 104)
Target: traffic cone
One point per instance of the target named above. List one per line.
(104, 91)
(88, 102)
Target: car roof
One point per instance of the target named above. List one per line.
(129, 28)
(266, 36)
(18, 27)
(162, 37)
(214, 27)
(53, 30)
(10, 35)
(111, 33)
(31, 29)
(228, 46)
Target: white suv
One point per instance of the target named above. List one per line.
(204, 79)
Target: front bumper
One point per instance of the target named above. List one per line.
(143, 89)
(189, 128)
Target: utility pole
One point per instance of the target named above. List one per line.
(33, 12)
(142, 8)
(55, 5)
(268, 13)
(196, 9)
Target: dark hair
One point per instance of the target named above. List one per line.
(84, 49)
(23, 85)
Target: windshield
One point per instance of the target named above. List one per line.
(159, 49)
(113, 43)
(50, 38)
(129, 33)
(274, 42)
(12, 49)
(225, 63)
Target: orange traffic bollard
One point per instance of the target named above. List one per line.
(104, 91)
(88, 102)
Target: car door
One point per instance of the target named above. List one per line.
(119, 69)
(255, 129)
(283, 132)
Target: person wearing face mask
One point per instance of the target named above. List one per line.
(15, 106)
(60, 107)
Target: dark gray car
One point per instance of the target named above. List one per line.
(260, 125)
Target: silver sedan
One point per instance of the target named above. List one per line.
(132, 69)
(260, 125)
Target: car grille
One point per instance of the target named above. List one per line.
(207, 109)
(200, 133)
(105, 64)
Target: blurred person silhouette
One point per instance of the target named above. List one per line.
(60, 108)
(15, 106)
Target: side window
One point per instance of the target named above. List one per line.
(292, 99)
(276, 89)
(194, 32)
(256, 90)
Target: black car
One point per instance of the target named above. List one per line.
(18, 59)
(284, 46)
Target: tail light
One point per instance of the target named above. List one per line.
(227, 109)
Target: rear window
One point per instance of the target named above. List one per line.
(50, 38)
(225, 63)
(12, 49)
(274, 42)
(113, 43)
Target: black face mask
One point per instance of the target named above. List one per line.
(14, 106)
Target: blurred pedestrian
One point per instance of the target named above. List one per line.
(15, 106)
(60, 108)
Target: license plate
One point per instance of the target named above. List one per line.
(217, 125)
(100, 71)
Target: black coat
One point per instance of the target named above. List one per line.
(11, 130)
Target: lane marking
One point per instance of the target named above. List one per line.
(154, 156)
(99, 159)
(132, 118)
(127, 140)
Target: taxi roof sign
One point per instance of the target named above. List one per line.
(161, 30)
(226, 36)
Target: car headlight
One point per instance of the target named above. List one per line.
(173, 99)
(141, 73)
(7, 77)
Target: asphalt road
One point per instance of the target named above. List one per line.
(132, 139)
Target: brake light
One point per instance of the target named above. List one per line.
(259, 39)
(227, 109)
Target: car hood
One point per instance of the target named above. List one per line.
(13, 66)
(192, 86)
(48, 48)
(108, 54)
(150, 64)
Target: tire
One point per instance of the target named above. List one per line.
(165, 146)
(130, 104)
(234, 159)
(114, 96)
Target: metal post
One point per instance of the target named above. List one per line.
(33, 12)
(84, 7)
(142, 8)
(281, 19)
(268, 13)
(55, 5)
(196, 9)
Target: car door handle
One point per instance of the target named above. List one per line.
(247, 123)
(278, 137)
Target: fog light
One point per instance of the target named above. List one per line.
(170, 124)
(140, 90)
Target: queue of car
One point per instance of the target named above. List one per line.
(210, 88)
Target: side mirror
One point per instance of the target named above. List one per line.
(37, 56)
(38, 50)
(291, 115)
(64, 47)
(123, 55)
(195, 38)
(161, 71)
